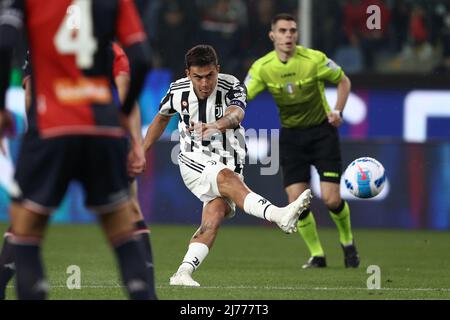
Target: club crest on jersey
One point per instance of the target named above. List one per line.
(184, 107)
(218, 109)
(290, 88)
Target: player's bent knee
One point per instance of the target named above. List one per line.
(226, 178)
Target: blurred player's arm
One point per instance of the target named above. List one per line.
(26, 82)
(136, 155)
(27, 88)
(122, 82)
(11, 22)
(131, 35)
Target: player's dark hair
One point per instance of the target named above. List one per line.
(282, 16)
(201, 55)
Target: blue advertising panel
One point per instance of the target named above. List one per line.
(407, 131)
(415, 194)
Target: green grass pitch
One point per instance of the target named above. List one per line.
(257, 262)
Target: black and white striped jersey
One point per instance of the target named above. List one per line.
(228, 147)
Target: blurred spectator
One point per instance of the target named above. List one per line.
(414, 34)
(328, 33)
(353, 20)
(358, 34)
(172, 32)
(444, 65)
(259, 24)
(417, 29)
(400, 20)
(223, 24)
(418, 55)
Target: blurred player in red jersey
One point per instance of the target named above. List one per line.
(136, 164)
(75, 130)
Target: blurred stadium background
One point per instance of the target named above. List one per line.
(398, 113)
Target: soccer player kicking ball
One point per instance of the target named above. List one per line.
(211, 107)
(295, 77)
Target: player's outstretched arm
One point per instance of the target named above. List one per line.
(232, 118)
(155, 130)
(138, 55)
(136, 156)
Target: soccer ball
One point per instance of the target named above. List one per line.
(365, 177)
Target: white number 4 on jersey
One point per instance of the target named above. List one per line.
(76, 35)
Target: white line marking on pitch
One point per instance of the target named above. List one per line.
(264, 288)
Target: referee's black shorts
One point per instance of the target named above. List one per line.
(317, 146)
(46, 166)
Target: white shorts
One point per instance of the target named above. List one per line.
(199, 172)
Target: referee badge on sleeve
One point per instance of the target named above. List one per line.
(332, 65)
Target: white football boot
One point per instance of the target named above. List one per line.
(183, 278)
(288, 222)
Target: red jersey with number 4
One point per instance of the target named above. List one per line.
(121, 64)
(69, 42)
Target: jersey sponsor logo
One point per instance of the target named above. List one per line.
(290, 74)
(211, 162)
(83, 90)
